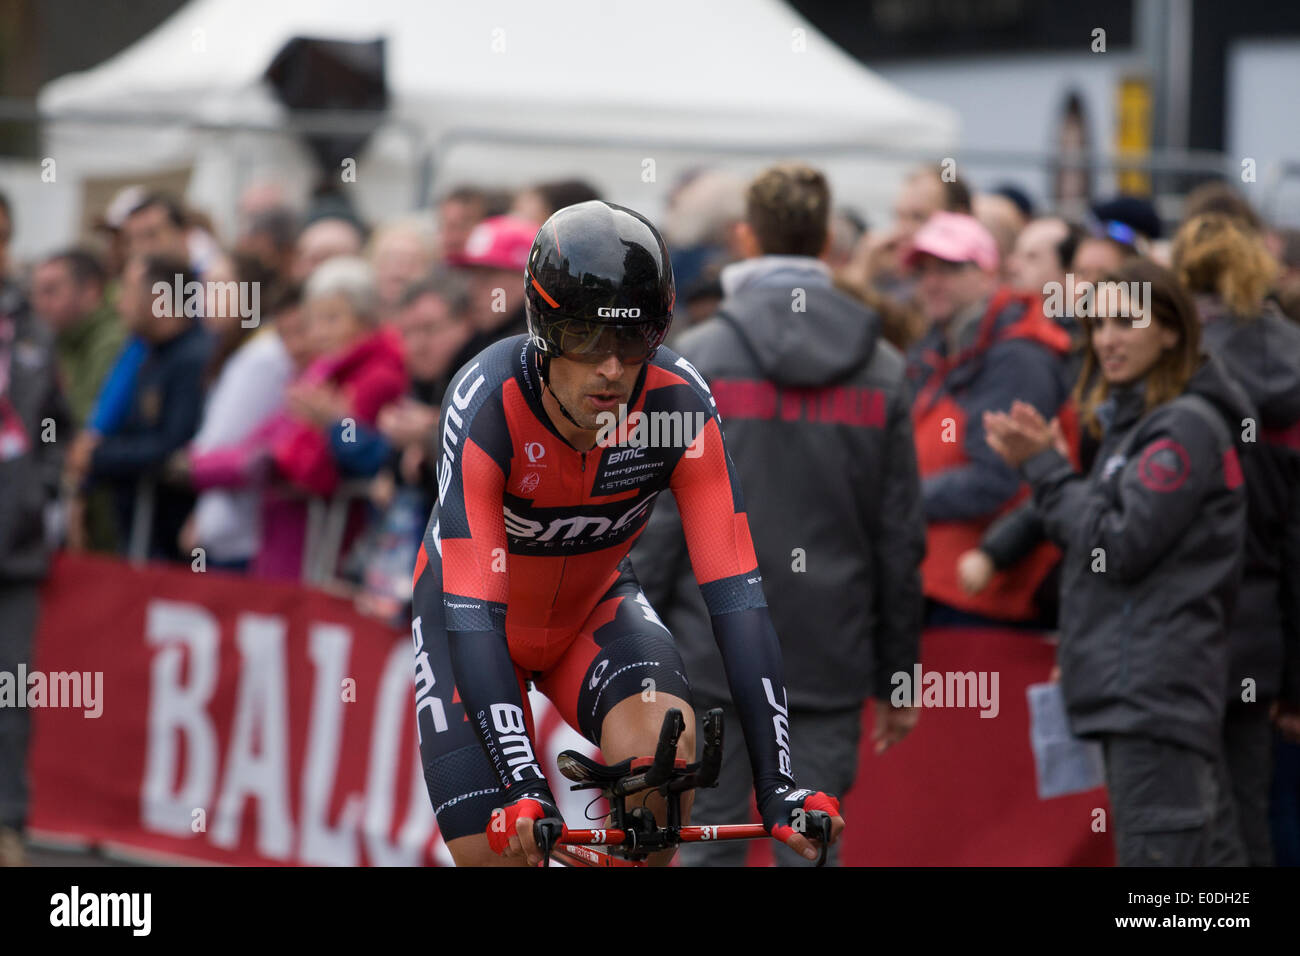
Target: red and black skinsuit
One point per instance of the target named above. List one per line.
(523, 576)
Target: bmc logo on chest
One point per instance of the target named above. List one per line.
(571, 526)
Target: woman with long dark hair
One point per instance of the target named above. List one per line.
(1153, 538)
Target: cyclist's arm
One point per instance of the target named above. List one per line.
(722, 555)
(707, 490)
(469, 539)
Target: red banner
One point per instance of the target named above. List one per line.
(242, 722)
(247, 722)
(961, 789)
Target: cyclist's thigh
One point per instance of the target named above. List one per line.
(462, 784)
(622, 650)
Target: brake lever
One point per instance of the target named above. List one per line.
(547, 832)
(661, 769)
(710, 764)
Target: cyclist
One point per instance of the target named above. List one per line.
(523, 574)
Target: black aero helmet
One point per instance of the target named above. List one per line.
(598, 280)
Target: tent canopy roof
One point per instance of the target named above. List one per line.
(726, 71)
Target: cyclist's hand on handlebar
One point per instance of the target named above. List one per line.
(791, 813)
(510, 831)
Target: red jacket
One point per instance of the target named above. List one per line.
(371, 374)
(1016, 354)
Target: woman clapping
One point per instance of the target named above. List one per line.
(1153, 540)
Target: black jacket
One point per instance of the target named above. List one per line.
(816, 416)
(1144, 642)
(29, 479)
(1263, 355)
(165, 410)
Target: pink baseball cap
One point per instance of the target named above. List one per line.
(954, 237)
(501, 242)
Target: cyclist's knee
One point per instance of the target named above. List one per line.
(631, 728)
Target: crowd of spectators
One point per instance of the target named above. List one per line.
(1054, 432)
(311, 361)
(214, 388)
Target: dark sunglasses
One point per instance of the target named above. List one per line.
(592, 342)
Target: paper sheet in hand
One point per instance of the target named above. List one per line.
(1063, 763)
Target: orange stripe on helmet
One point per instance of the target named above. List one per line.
(538, 287)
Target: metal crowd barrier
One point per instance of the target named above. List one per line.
(327, 522)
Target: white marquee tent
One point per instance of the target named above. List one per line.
(498, 92)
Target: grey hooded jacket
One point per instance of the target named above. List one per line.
(816, 416)
(1154, 541)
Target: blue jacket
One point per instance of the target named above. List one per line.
(113, 402)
